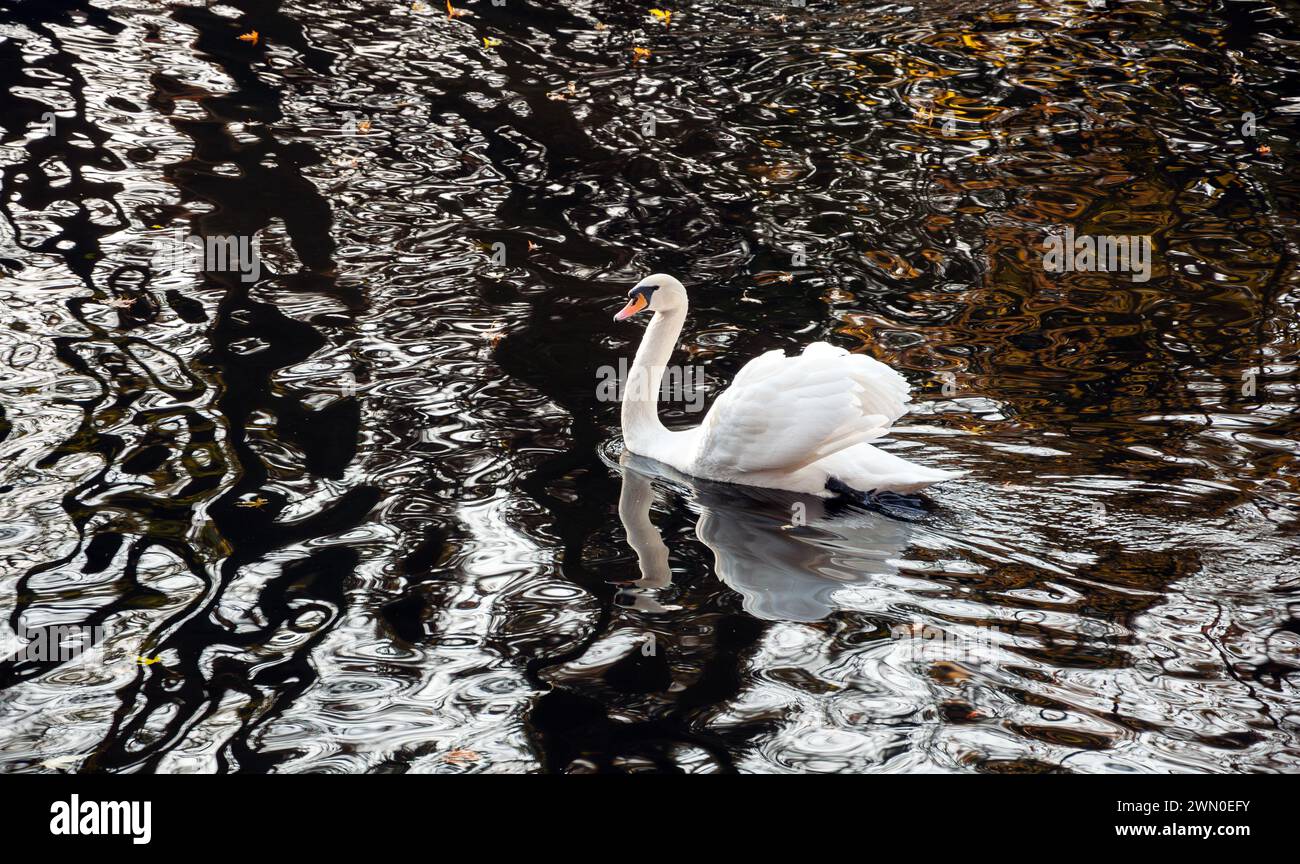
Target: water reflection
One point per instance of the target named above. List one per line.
(785, 555)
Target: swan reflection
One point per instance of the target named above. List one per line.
(783, 570)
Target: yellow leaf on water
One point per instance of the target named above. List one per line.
(490, 43)
(250, 37)
(640, 54)
(663, 15)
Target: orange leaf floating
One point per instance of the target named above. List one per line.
(250, 38)
(640, 54)
(1264, 150)
(452, 12)
(458, 756)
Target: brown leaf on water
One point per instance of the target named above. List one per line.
(781, 172)
(460, 756)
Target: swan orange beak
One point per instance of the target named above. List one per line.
(635, 305)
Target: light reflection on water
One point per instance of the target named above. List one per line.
(437, 578)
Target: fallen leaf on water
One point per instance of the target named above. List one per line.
(456, 757)
(640, 54)
(663, 15)
(452, 12)
(146, 661)
(417, 6)
(560, 95)
(781, 172)
(490, 43)
(256, 503)
(1264, 150)
(363, 126)
(250, 38)
(121, 302)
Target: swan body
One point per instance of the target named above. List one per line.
(798, 423)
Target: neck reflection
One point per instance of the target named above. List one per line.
(790, 557)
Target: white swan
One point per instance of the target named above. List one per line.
(795, 423)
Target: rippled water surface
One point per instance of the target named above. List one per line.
(367, 513)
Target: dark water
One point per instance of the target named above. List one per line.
(362, 514)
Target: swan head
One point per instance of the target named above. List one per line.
(658, 293)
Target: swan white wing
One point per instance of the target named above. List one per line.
(782, 413)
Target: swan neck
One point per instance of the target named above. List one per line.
(640, 414)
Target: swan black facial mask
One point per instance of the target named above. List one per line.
(639, 298)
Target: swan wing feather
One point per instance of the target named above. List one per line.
(782, 413)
